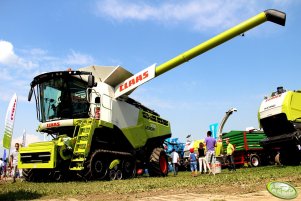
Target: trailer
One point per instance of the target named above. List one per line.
(248, 150)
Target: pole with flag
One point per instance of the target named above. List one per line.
(9, 123)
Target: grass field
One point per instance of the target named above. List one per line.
(244, 180)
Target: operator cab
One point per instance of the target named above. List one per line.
(61, 95)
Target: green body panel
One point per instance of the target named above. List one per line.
(292, 106)
(148, 126)
(80, 143)
(211, 43)
(249, 141)
(42, 148)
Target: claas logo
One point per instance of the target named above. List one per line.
(133, 81)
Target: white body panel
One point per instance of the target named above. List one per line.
(272, 105)
(124, 115)
(59, 123)
(117, 112)
(105, 92)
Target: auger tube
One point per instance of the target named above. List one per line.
(271, 15)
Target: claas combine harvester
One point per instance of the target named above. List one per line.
(100, 132)
(280, 117)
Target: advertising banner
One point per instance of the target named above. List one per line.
(9, 122)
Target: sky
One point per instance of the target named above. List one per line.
(42, 36)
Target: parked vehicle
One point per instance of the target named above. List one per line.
(173, 143)
(98, 130)
(248, 150)
(280, 118)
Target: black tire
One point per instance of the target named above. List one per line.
(36, 175)
(128, 169)
(289, 156)
(255, 160)
(112, 175)
(158, 163)
(118, 175)
(28, 174)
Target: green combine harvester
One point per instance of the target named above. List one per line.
(280, 117)
(98, 131)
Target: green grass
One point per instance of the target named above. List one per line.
(246, 179)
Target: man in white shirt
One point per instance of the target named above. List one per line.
(175, 161)
(14, 161)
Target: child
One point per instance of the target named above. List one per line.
(193, 163)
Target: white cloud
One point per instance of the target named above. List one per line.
(202, 14)
(199, 14)
(6, 51)
(18, 67)
(30, 138)
(75, 58)
(9, 58)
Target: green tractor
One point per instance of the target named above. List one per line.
(98, 131)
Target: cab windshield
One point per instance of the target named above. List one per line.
(62, 98)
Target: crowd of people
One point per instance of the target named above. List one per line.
(204, 160)
(9, 169)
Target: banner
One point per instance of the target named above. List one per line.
(213, 128)
(9, 122)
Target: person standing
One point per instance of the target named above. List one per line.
(210, 153)
(14, 162)
(175, 161)
(202, 160)
(230, 151)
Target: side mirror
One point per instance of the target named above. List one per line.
(88, 93)
(90, 81)
(30, 94)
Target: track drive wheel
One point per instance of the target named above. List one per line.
(254, 160)
(158, 165)
(97, 166)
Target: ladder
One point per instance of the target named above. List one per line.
(82, 144)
